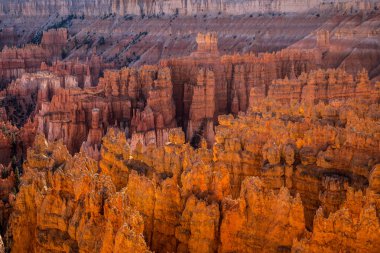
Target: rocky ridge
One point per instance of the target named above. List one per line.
(123, 7)
(70, 202)
(285, 174)
(211, 152)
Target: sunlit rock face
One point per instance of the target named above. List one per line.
(189, 126)
(64, 205)
(259, 188)
(1, 246)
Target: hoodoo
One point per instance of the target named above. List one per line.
(190, 126)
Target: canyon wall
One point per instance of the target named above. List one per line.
(202, 151)
(69, 205)
(300, 144)
(323, 86)
(16, 61)
(186, 7)
(137, 100)
(86, 72)
(202, 86)
(280, 177)
(2, 250)
(206, 84)
(351, 44)
(26, 94)
(318, 152)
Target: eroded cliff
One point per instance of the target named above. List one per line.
(64, 205)
(230, 141)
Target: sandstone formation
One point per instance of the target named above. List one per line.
(8, 138)
(355, 228)
(350, 44)
(16, 61)
(229, 80)
(27, 94)
(54, 41)
(246, 227)
(9, 181)
(68, 204)
(202, 108)
(87, 73)
(323, 85)
(273, 172)
(201, 126)
(296, 152)
(122, 7)
(1, 246)
(137, 100)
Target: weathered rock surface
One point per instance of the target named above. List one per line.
(354, 228)
(260, 187)
(351, 44)
(323, 85)
(8, 187)
(8, 138)
(293, 167)
(16, 61)
(64, 205)
(87, 73)
(260, 220)
(137, 100)
(2, 250)
(122, 7)
(206, 84)
(24, 96)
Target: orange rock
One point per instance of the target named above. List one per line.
(2, 250)
(260, 220)
(64, 205)
(199, 226)
(355, 228)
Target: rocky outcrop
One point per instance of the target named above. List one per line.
(354, 227)
(192, 211)
(155, 195)
(248, 225)
(294, 167)
(54, 41)
(122, 7)
(229, 81)
(115, 150)
(137, 100)
(87, 73)
(8, 187)
(323, 85)
(199, 226)
(63, 203)
(273, 172)
(26, 94)
(349, 43)
(2, 250)
(318, 163)
(159, 111)
(16, 61)
(202, 108)
(92, 145)
(207, 43)
(150, 92)
(8, 141)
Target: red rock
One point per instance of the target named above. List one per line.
(54, 41)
